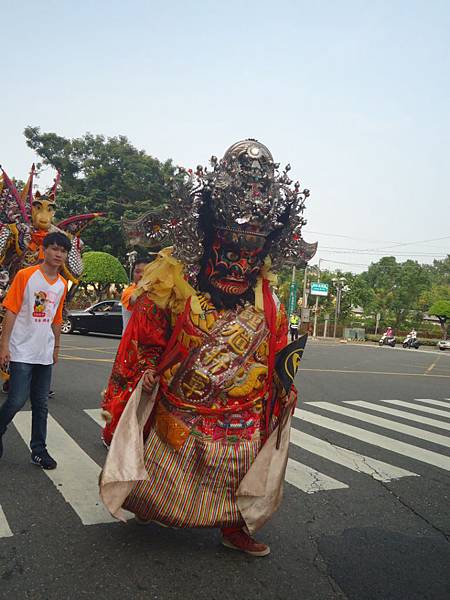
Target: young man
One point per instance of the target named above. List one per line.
(127, 299)
(30, 341)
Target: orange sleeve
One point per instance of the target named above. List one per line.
(126, 295)
(14, 297)
(58, 319)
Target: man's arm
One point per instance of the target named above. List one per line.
(56, 328)
(7, 327)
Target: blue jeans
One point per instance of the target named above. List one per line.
(28, 381)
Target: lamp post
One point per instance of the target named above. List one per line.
(339, 284)
(131, 257)
(317, 301)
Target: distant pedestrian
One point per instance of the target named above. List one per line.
(294, 324)
(127, 300)
(30, 341)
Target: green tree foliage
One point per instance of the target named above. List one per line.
(100, 270)
(401, 292)
(101, 174)
(395, 288)
(441, 310)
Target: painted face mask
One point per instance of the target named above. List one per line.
(42, 212)
(235, 262)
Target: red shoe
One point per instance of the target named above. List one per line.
(239, 540)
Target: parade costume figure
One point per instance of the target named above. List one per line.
(25, 220)
(199, 448)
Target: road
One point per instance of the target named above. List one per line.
(365, 514)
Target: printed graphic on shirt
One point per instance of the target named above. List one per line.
(40, 300)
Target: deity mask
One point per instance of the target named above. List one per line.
(234, 262)
(42, 211)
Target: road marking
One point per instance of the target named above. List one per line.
(103, 350)
(419, 407)
(5, 531)
(349, 372)
(96, 414)
(376, 439)
(435, 402)
(309, 480)
(377, 469)
(422, 434)
(66, 357)
(400, 413)
(76, 476)
(431, 367)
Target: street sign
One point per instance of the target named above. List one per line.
(292, 304)
(319, 289)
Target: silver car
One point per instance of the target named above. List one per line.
(444, 345)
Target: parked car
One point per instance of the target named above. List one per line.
(103, 317)
(444, 345)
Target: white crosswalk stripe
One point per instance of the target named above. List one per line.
(376, 439)
(379, 470)
(422, 434)
(76, 477)
(434, 402)
(309, 480)
(400, 413)
(96, 414)
(5, 531)
(77, 474)
(420, 408)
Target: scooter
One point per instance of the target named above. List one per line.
(386, 340)
(411, 342)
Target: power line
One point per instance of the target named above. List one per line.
(338, 250)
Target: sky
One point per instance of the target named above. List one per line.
(355, 95)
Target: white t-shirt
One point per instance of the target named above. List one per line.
(38, 302)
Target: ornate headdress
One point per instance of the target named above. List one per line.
(16, 207)
(245, 193)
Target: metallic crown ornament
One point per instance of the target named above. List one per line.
(246, 193)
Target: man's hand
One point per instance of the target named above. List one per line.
(149, 380)
(4, 355)
(55, 354)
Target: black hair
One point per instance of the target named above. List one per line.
(141, 260)
(59, 239)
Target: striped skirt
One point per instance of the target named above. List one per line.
(194, 486)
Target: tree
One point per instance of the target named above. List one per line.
(441, 310)
(101, 174)
(100, 271)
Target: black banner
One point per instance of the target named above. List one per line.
(288, 360)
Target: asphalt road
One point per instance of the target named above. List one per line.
(365, 514)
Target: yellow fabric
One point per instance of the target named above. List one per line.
(165, 282)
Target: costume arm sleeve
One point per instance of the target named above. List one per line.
(74, 260)
(143, 342)
(6, 237)
(14, 297)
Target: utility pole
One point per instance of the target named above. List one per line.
(317, 302)
(305, 282)
(339, 284)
